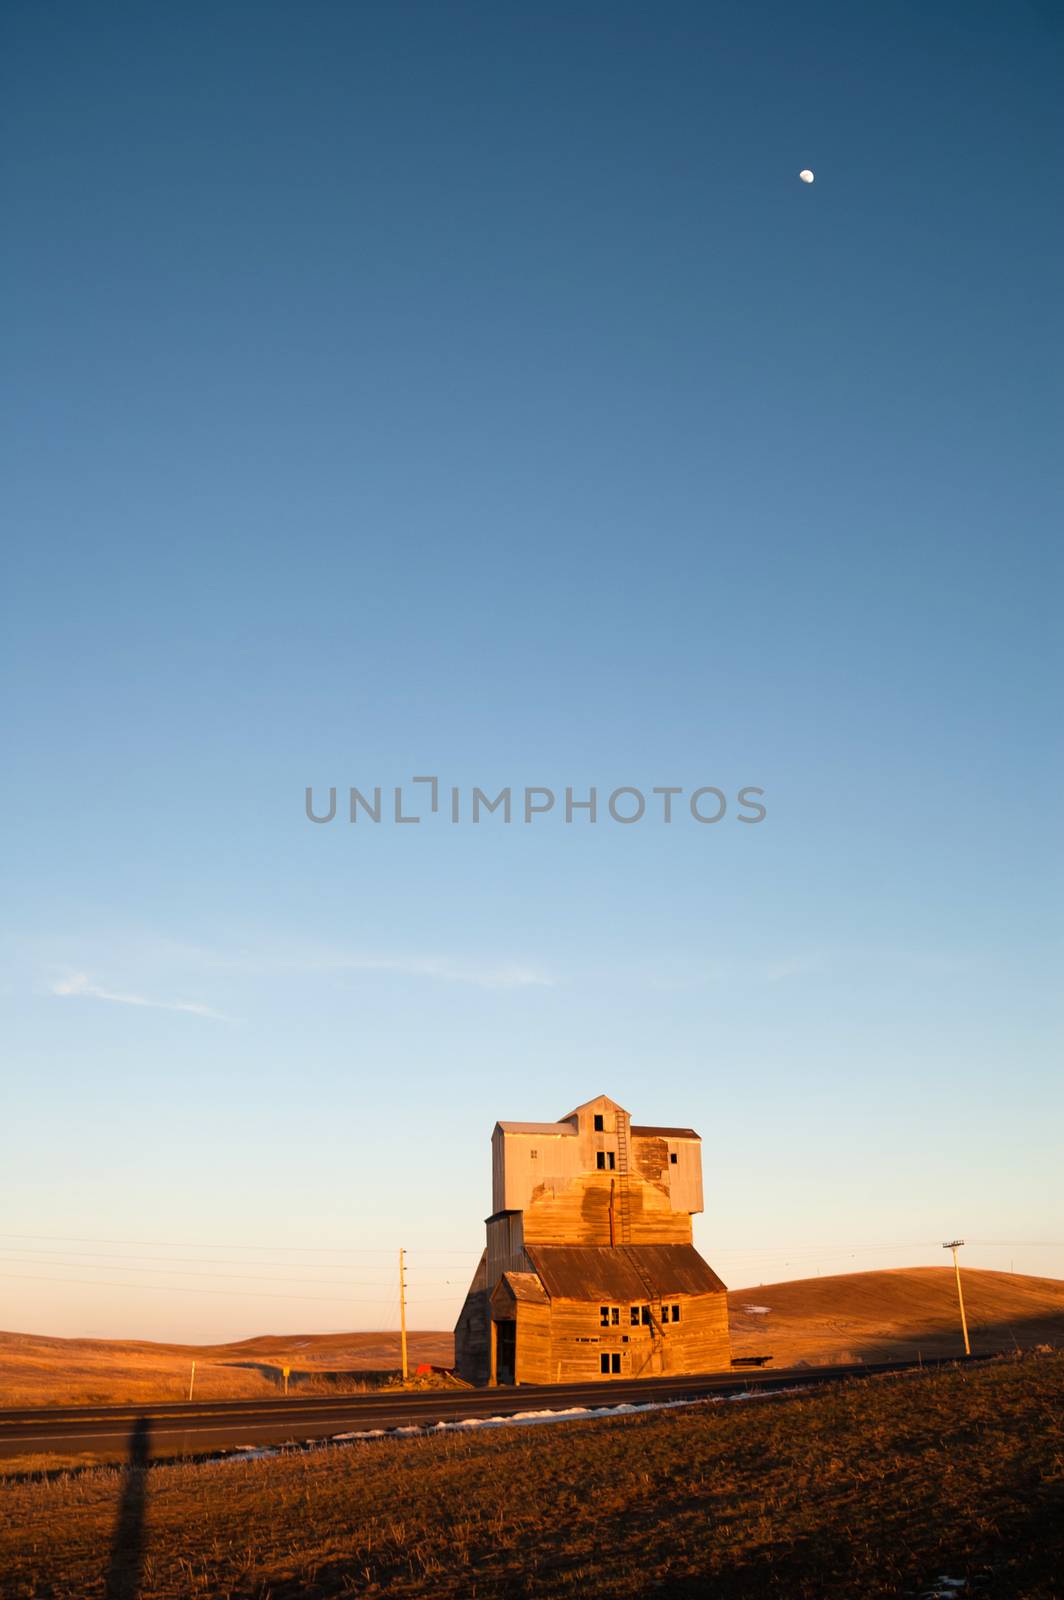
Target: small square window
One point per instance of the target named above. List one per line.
(599, 1123)
(534, 1154)
(600, 1160)
(604, 1361)
(672, 1157)
(604, 1316)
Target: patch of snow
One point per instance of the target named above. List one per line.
(526, 1419)
(251, 1452)
(758, 1311)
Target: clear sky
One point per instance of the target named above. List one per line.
(475, 390)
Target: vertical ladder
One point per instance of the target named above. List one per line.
(624, 1202)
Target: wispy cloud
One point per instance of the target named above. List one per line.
(483, 976)
(747, 973)
(80, 986)
(245, 961)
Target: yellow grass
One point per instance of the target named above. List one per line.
(864, 1316)
(36, 1370)
(896, 1315)
(861, 1490)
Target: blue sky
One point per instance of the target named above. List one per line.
(475, 390)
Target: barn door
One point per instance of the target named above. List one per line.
(505, 1352)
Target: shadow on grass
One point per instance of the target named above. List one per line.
(855, 1340)
(326, 1380)
(127, 1548)
(1020, 1557)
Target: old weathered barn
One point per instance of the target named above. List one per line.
(589, 1270)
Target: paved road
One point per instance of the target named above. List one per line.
(200, 1428)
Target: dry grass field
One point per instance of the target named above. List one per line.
(897, 1315)
(864, 1316)
(39, 1371)
(881, 1487)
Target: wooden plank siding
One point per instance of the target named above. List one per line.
(579, 1213)
(533, 1344)
(472, 1332)
(585, 1208)
(699, 1342)
(506, 1245)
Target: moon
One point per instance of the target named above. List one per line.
(806, 175)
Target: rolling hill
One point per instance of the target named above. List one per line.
(897, 1314)
(862, 1316)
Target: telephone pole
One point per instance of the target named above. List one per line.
(954, 1245)
(402, 1312)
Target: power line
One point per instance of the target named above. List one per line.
(303, 1249)
(185, 1288)
(178, 1272)
(212, 1261)
(806, 1248)
(119, 1265)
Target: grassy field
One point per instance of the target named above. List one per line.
(40, 1371)
(895, 1315)
(863, 1316)
(885, 1486)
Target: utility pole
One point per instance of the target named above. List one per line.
(954, 1245)
(402, 1312)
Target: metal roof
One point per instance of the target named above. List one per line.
(663, 1133)
(523, 1286)
(537, 1127)
(622, 1272)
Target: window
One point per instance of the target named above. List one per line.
(604, 1316)
(606, 1160)
(615, 1316)
(600, 1125)
(670, 1313)
(604, 1361)
(672, 1157)
(675, 1313)
(615, 1361)
(645, 1316)
(635, 1316)
(534, 1154)
(600, 1160)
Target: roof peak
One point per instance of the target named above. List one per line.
(599, 1102)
